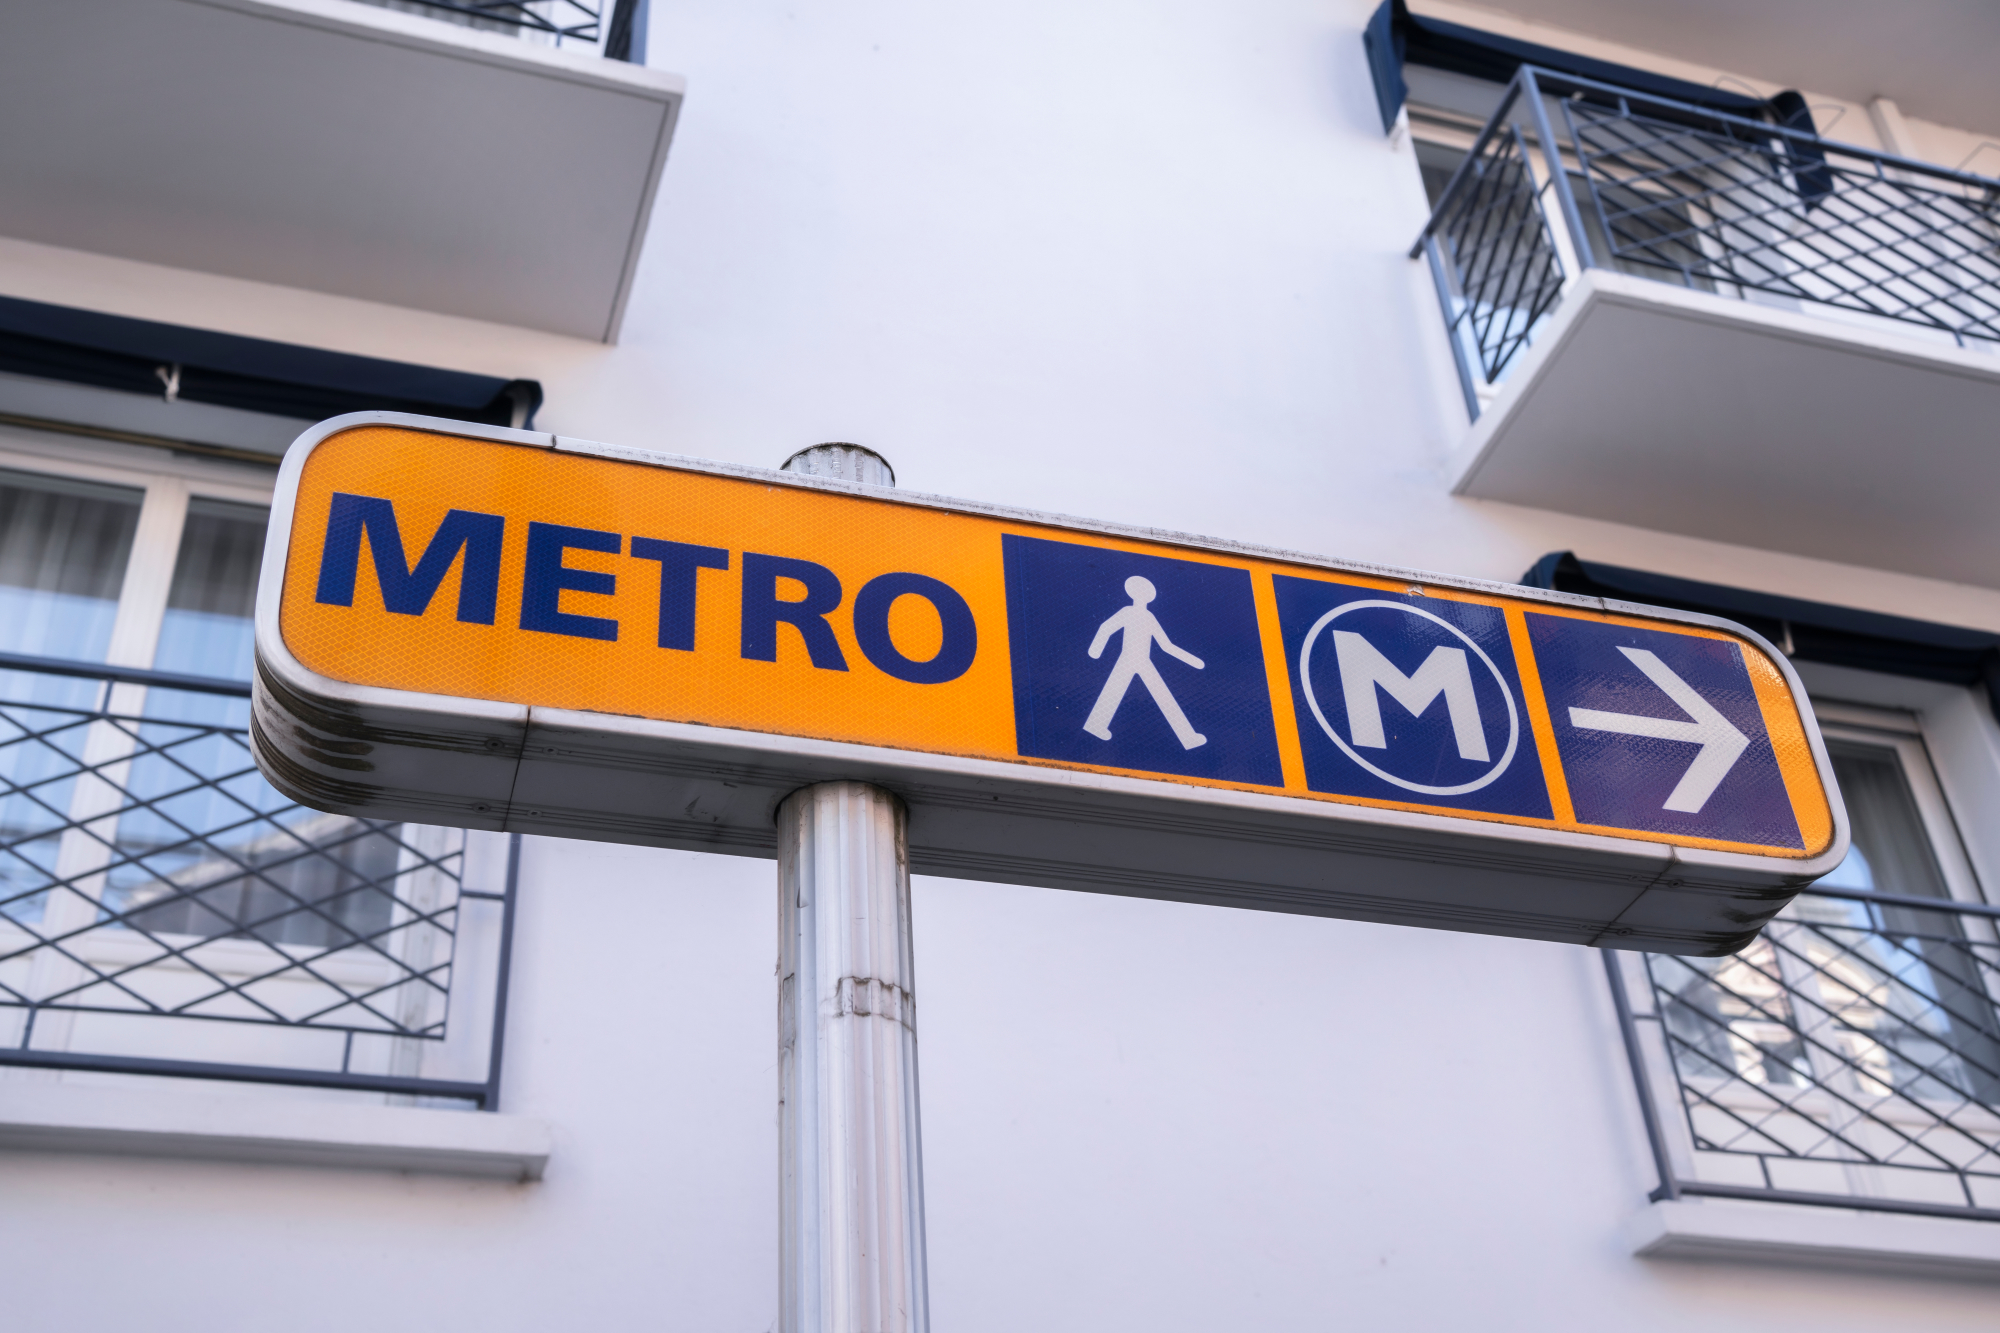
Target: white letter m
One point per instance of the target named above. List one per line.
(1362, 668)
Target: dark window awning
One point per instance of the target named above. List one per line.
(281, 379)
(1808, 631)
(1395, 37)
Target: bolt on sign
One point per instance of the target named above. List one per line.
(509, 630)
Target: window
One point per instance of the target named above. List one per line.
(164, 910)
(1851, 1055)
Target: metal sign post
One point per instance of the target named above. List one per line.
(851, 1190)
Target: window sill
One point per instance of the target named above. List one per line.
(51, 1117)
(1777, 1233)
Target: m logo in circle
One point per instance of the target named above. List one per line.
(1447, 672)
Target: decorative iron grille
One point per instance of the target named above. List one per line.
(1494, 260)
(1577, 174)
(557, 20)
(160, 902)
(1850, 1056)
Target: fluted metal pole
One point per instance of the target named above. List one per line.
(851, 1208)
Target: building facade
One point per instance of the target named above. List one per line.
(1697, 307)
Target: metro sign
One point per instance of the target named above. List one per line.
(508, 630)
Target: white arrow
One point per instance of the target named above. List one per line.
(1721, 743)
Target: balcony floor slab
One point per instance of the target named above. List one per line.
(336, 147)
(1797, 430)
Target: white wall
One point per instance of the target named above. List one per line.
(1138, 261)
(1136, 1115)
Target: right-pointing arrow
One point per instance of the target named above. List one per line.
(1721, 743)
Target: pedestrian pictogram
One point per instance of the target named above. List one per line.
(1140, 629)
(1186, 635)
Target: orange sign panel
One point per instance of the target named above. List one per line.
(443, 565)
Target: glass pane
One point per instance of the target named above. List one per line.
(1649, 235)
(1902, 986)
(1732, 1018)
(207, 629)
(298, 877)
(63, 550)
(212, 849)
(193, 779)
(1892, 851)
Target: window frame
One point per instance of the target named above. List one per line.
(168, 482)
(1902, 732)
(1961, 741)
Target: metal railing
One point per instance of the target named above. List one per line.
(1849, 1057)
(164, 910)
(609, 25)
(1571, 174)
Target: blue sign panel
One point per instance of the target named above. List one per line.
(1661, 732)
(1408, 699)
(1137, 661)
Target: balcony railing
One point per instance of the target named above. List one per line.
(165, 911)
(1570, 174)
(610, 25)
(1849, 1057)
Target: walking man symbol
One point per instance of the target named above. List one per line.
(1135, 659)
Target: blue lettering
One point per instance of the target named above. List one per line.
(546, 578)
(762, 611)
(680, 570)
(871, 628)
(406, 591)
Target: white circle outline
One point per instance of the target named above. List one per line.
(1513, 714)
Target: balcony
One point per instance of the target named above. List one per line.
(1707, 325)
(479, 159)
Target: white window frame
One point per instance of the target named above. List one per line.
(1903, 733)
(168, 482)
(127, 1111)
(1960, 740)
